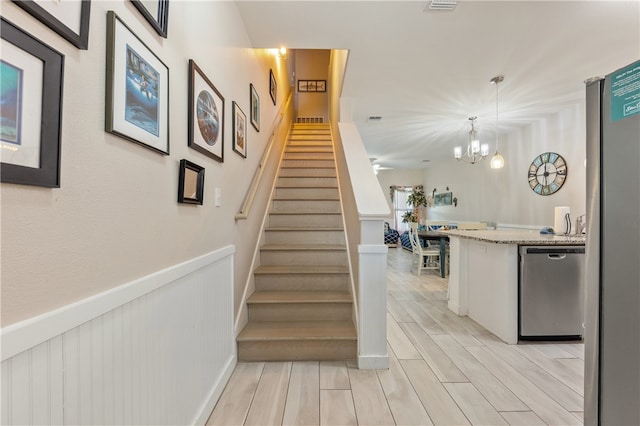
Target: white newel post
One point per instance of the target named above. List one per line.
(372, 279)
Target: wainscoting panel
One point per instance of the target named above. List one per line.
(161, 358)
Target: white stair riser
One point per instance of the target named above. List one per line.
(303, 282)
(308, 155)
(306, 257)
(298, 350)
(309, 148)
(309, 163)
(305, 182)
(307, 193)
(304, 237)
(297, 171)
(305, 206)
(300, 311)
(305, 220)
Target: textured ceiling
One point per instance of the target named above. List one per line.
(425, 73)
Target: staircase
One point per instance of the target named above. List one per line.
(302, 308)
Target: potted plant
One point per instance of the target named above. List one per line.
(409, 217)
(417, 199)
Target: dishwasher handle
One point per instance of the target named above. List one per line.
(556, 256)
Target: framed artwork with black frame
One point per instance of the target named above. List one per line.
(31, 113)
(239, 131)
(254, 106)
(206, 115)
(190, 183)
(69, 19)
(156, 12)
(273, 86)
(137, 98)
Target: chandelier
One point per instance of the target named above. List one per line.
(475, 150)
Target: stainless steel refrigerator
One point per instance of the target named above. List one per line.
(612, 327)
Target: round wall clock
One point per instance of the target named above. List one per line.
(547, 173)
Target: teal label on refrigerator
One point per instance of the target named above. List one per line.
(625, 92)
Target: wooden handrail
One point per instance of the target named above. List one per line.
(257, 176)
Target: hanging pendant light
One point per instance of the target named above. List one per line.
(497, 161)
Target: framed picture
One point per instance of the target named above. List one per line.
(206, 115)
(156, 12)
(239, 131)
(442, 199)
(254, 102)
(69, 19)
(30, 116)
(273, 86)
(312, 85)
(137, 102)
(190, 183)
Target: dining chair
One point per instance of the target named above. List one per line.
(428, 258)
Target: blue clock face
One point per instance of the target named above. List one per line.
(547, 173)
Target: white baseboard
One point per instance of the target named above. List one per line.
(373, 362)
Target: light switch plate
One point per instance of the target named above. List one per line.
(217, 197)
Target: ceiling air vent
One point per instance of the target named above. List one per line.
(374, 118)
(446, 5)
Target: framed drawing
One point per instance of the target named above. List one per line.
(312, 85)
(156, 12)
(239, 131)
(254, 102)
(190, 183)
(273, 86)
(30, 116)
(206, 115)
(69, 19)
(137, 101)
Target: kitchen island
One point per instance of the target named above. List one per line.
(483, 280)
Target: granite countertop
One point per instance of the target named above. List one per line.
(517, 236)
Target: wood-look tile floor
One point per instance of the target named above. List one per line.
(443, 370)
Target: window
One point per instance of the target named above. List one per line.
(400, 206)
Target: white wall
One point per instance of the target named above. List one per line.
(115, 217)
(504, 196)
(312, 64)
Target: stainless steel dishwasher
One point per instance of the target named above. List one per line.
(551, 293)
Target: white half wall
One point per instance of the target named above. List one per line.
(158, 350)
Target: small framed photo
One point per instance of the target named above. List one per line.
(137, 103)
(206, 115)
(31, 109)
(254, 102)
(190, 183)
(273, 86)
(239, 131)
(69, 19)
(156, 12)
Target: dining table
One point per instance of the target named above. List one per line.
(442, 238)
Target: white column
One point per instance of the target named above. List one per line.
(372, 279)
